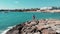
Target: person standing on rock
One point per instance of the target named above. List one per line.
(33, 17)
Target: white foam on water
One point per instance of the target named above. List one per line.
(4, 32)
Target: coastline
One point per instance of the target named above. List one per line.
(45, 11)
(36, 27)
(6, 30)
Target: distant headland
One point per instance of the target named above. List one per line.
(43, 9)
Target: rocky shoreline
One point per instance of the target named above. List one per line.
(43, 26)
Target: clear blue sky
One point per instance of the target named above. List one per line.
(28, 3)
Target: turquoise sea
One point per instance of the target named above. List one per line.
(10, 19)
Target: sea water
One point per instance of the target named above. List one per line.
(10, 19)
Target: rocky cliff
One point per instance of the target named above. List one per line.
(43, 26)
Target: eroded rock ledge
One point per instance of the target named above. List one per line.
(43, 26)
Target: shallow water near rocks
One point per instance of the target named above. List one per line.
(13, 18)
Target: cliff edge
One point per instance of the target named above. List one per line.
(43, 26)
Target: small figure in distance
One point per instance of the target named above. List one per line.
(33, 17)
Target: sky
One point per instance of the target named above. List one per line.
(18, 4)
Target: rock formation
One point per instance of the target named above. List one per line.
(44, 26)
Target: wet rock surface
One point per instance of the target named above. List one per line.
(43, 26)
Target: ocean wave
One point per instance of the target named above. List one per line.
(4, 32)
